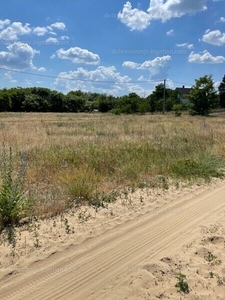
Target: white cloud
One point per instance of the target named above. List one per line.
(165, 10)
(93, 80)
(169, 84)
(42, 69)
(4, 23)
(214, 37)
(135, 19)
(170, 32)
(13, 31)
(52, 40)
(222, 19)
(142, 92)
(28, 82)
(185, 45)
(130, 65)
(64, 37)
(40, 31)
(216, 84)
(19, 56)
(157, 67)
(58, 25)
(205, 57)
(77, 55)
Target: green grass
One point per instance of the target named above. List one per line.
(77, 158)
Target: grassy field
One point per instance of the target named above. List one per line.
(74, 158)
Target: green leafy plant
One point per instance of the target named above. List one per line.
(182, 284)
(212, 259)
(83, 216)
(177, 109)
(220, 280)
(211, 274)
(13, 203)
(67, 226)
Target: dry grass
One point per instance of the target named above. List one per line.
(78, 157)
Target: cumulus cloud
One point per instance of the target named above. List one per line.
(214, 37)
(51, 40)
(77, 55)
(14, 31)
(19, 56)
(137, 19)
(92, 80)
(4, 23)
(157, 67)
(205, 57)
(42, 69)
(130, 65)
(58, 25)
(40, 31)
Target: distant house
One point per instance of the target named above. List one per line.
(183, 94)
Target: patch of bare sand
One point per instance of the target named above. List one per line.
(150, 280)
(202, 261)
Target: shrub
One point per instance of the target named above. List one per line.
(13, 203)
(182, 284)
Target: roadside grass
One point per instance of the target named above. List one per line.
(81, 158)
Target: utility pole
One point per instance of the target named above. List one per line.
(164, 96)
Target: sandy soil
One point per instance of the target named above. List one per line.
(131, 249)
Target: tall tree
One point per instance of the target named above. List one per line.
(75, 101)
(221, 89)
(203, 96)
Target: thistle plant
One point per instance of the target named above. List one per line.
(13, 203)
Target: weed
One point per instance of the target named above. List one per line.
(68, 229)
(83, 216)
(211, 274)
(13, 203)
(177, 109)
(212, 259)
(130, 150)
(220, 280)
(182, 284)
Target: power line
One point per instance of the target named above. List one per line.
(77, 79)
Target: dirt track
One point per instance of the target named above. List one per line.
(88, 270)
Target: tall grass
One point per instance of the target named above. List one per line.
(78, 157)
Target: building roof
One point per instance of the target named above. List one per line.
(183, 90)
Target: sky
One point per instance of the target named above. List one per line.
(113, 47)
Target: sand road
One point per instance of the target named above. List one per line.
(89, 270)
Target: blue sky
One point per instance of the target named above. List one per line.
(113, 47)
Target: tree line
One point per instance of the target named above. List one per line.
(203, 98)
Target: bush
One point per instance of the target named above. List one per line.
(177, 109)
(13, 203)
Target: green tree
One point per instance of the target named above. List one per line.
(5, 101)
(57, 100)
(128, 104)
(221, 89)
(105, 103)
(75, 101)
(203, 96)
(31, 103)
(17, 96)
(156, 98)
